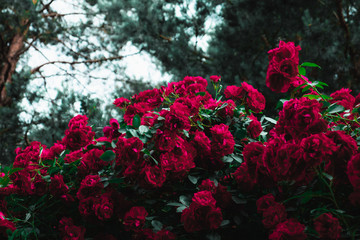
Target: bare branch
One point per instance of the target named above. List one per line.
(91, 61)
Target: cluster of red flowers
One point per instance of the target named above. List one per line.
(180, 150)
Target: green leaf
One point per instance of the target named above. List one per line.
(237, 200)
(213, 236)
(143, 129)
(193, 179)
(270, 120)
(200, 125)
(200, 94)
(310, 64)
(224, 223)
(306, 88)
(335, 108)
(186, 133)
(14, 170)
(222, 106)
(237, 158)
(312, 96)
(113, 144)
(184, 200)
(116, 180)
(175, 204)
(322, 83)
(147, 152)
(136, 121)
(108, 156)
(180, 209)
(302, 71)
(326, 97)
(156, 225)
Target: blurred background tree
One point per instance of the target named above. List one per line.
(27, 112)
(230, 38)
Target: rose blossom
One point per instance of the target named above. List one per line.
(327, 226)
(134, 219)
(215, 78)
(290, 229)
(90, 186)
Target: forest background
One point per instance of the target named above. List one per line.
(178, 38)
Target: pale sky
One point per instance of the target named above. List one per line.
(139, 66)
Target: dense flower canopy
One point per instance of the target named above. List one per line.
(183, 164)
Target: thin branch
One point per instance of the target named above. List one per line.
(91, 61)
(76, 62)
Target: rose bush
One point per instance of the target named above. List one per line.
(183, 164)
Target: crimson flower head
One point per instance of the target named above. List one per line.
(134, 219)
(327, 226)
(215, 78)
(282, 69)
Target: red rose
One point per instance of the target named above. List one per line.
(276, 81)
(69, 231)
(265, 202)
(90, 186)
(165, 235)
(86, 206)
(353, 171)
(327, 226)
(78, 121)
(73, 232)
(149, 119)
(282, 70)
(215, 78)
(213, 218)
(104, 208)
(91, 162)
(22, 182)
(121, 102)
(165, 140)
(112, 131)
(242, 177)
(346, 148)
(77, 138)
(28, 155)
(343, 97)
(151, 97)
(154, 176)
(204, 198)
(134, 219)
(285, 51)
(274, 215)
(254, 99)
(254, 128)
(253, 153)
(234, 92)
(207, 185)
(222, 140)
(128, 151)
(290, 229)
(202, 142)
(201, 217)
(57, 185)
(5, 225)
(317, 148)
(180, 160)
(300, 118)
(73, 156)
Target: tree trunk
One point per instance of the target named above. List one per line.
(8, 67)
